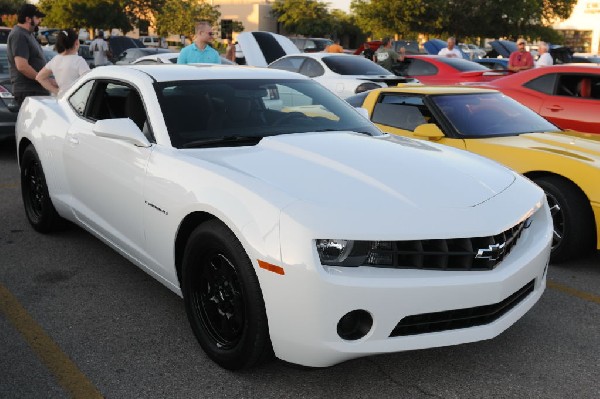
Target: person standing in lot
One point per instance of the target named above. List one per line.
(99, 48)
(335, 47)
(545, 58)
(368, 52)
(230, 50)
(200, 51)
(385, 56)
(451, 51)
(521, 59)
(25, 54)
(66, 67)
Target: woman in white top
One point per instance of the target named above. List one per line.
(66, 67)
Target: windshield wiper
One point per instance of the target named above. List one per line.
(226, 141)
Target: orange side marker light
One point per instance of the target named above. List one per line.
(271, 268)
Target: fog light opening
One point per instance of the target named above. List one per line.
(355, 325)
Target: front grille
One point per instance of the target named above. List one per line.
(459, 318)
(478, 253)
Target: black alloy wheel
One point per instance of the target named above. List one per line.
(218, 300)
(574, 228)
(38, 206)
(223, 299)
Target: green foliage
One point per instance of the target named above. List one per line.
(464, 18)
(381, 18)
(304, 17)
(179, 16)
(9, 7)
(237, 26)
(86, 13)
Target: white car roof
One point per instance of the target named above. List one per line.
(158, 56)
(321, 55)
(173, 72)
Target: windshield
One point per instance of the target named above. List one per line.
(353, 65)
(462, 65)
(490, 114)
(211, 109)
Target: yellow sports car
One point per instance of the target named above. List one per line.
(566, 164)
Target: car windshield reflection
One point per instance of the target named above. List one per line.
(197, 112)
(490, 114)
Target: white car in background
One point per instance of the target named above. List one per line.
(343, 74)
(167, 58)
(310, 235)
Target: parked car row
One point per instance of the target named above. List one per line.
(259, 185)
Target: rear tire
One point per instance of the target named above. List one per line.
(574, 230)
(38, 206)
(223, 299)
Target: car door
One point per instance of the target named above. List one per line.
(574, 102)
(105, 176)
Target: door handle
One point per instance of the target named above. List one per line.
(555, 108)
(73, 140)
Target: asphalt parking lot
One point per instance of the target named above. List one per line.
(78, 320)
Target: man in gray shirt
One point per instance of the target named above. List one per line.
(25, 55)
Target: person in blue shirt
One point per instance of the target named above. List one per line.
(200, 51)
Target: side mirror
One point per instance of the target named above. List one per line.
(121, 129)
(429, 131)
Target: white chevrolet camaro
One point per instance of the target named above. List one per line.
(287, 221)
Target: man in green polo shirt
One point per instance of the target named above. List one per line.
(200, 51)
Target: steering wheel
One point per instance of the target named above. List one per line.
(289, 116)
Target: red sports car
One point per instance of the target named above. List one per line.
(439, 70)
(566, 95)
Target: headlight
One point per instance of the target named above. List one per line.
(366, 87)
(354, 253)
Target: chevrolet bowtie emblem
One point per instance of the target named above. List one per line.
(492, 252)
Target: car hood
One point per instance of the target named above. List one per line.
(353, 170)
(504, 47)
(581, 146)
(262, 48)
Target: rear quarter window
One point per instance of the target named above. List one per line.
(544, 84)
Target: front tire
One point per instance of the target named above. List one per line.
(223, 300)
(574, 231)
(38, 206)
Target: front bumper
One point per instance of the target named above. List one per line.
(305, 305)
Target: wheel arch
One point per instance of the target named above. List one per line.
(537, 174)
(595, 218)
(23, 144)
(186, 227)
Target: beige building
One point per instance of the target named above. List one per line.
(255, 15)
(582, 29)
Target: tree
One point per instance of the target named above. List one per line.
(180, 16)
(484, 18)
(145, 10)
(86, 14)
(303, 17)
(9, 7)
(381, 18)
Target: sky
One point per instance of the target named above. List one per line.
(343, 5)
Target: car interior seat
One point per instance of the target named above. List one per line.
(584, 87)
(238, 111)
